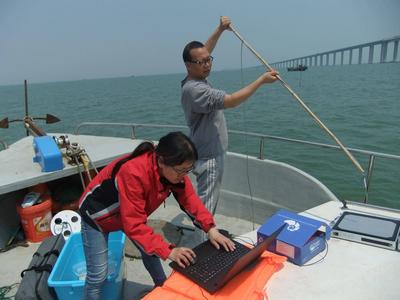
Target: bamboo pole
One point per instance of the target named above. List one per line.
(319, 122)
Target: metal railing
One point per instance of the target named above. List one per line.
(262, 139)
(4, 145)
(133, 126)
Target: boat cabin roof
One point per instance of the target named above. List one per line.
(18, 170)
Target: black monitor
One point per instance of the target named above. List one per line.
(368, 229)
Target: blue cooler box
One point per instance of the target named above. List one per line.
(68, 274)
(47, 154)
(301, 240)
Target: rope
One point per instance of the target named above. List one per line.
(5, 291)
(77, 155)
(85, 161)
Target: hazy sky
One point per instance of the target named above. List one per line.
(57, 40)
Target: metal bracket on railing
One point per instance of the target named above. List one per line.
(369, 176)
(4, 144)
(133, 132)
(261, 153)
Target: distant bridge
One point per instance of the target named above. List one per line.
(381, 51)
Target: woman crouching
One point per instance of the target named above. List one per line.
(126, 192)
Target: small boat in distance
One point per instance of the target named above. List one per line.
(298, 68)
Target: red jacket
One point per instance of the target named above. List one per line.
(126, 202)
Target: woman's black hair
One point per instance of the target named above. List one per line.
(139, 150)
(174, 148)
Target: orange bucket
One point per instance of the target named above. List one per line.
(36, 220)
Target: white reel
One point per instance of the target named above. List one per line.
(65, 222)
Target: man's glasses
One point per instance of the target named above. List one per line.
(183, 172)
(203, 62)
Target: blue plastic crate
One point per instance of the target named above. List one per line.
(68, 274)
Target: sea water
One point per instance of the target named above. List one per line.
(360, 104)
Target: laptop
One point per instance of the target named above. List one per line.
(213, 268)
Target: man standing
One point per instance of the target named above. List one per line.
(204, 112)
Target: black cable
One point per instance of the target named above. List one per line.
(13, 245)
(321, 259)
(202, 293)
(246, 141)
(243, 239)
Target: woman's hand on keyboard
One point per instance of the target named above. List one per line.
(218, 239)
(182, 256)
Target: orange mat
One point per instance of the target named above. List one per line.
(249, 284)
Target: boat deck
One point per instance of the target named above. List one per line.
(349, 271)
(138, 282)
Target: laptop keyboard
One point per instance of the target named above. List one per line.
(209, 267)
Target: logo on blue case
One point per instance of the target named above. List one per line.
(293, 225)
